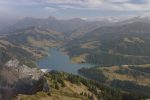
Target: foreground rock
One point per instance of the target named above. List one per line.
(17, 78)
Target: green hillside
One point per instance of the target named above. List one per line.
(65, 86)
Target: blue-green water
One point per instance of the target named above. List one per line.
(60, 62)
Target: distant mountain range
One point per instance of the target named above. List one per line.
(126, 40)
(65, 26)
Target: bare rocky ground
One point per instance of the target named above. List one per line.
(19, 78)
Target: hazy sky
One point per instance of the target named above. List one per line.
(73, 8)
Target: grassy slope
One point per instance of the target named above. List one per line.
(71, 91)
(136, 75)
(65, 86)
(117, 72)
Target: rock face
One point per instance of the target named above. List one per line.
(22, 70)
(12, 63)
(17, 78)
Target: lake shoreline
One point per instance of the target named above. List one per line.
(60, 61)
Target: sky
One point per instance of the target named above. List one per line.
(85, 9)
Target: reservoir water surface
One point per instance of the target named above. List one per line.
(60, 62)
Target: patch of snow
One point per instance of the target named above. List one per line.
(45, 70)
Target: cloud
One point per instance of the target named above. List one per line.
(131, 5)
(67, 6)
(124, 5)
(50, 9)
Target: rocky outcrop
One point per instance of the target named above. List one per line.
(22, 70)
(12, 63)
(20, 79)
